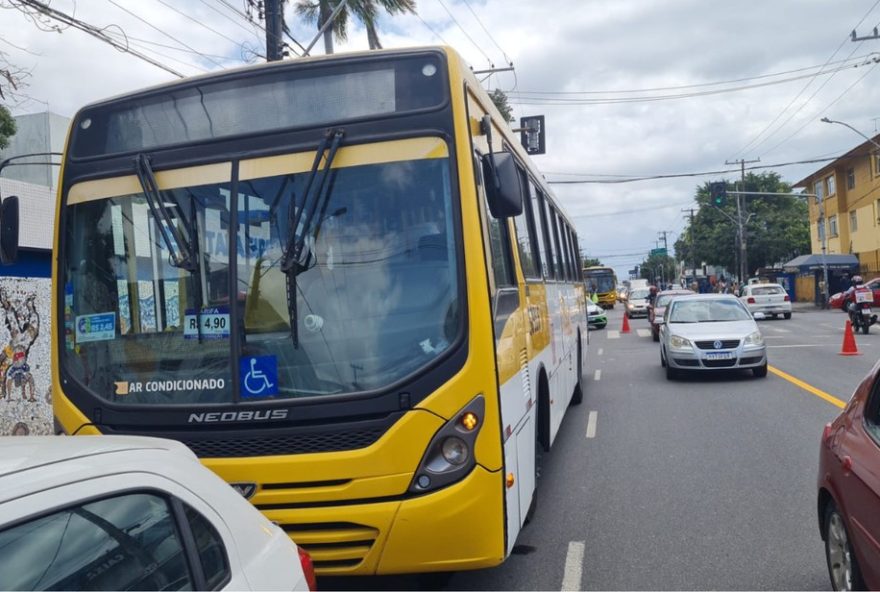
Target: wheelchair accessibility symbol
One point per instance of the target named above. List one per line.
(258, 376)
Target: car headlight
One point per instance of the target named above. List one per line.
(680, 342)
(629, 305)
(754, 339)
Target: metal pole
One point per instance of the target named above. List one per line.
(274, 20)
(824, 262)
(326, 24)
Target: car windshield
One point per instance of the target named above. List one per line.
(707, 311)
(377, 296)
(665, 299)
(767, 290)
(639, 295)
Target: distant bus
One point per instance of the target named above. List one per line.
(342, 283)
(603, 281)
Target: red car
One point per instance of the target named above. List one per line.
(849, 490)
(836, 300)
(656, 310)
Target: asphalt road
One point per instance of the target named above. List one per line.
(707, 482)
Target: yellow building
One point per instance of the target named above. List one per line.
(849, 189)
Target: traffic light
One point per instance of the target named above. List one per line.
(718, 193)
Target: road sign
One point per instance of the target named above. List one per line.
(660, 251)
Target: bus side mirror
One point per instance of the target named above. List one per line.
(9, 230)
(504, 189)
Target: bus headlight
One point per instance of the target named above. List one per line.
(454, 450)
(450, 454)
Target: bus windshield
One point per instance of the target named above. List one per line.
(603, 282)
(377, 298)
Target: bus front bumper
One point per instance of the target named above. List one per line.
(456, 528)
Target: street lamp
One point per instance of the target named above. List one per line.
(826, 120)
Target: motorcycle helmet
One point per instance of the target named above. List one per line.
(856, 279)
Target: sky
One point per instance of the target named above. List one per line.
(629, 88)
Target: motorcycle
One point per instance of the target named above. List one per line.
(860, 310)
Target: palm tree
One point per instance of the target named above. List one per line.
(366, 11)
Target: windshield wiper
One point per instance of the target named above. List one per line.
(180, 244)
(296, 254)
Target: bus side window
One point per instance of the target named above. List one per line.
(547, 223)
(499, 237)
(566, 248)
(525, 238)
(540, 229)
(554, 228)
(576, 256)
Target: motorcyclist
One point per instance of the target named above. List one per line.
(849, 297)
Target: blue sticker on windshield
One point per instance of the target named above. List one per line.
(96, 327)
(258, 376)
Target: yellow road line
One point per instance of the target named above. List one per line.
(807, 387)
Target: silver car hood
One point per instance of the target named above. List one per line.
(717, 330)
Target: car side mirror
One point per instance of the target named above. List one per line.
(9, 230)
(759, 316)
(504, 190)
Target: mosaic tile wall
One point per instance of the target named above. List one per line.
(25, 371)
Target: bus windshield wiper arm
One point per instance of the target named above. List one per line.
(179, 241)
(296, 256)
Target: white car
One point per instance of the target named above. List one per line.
(770, 299)
(637, 303)
(131, 513)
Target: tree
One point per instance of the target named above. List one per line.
(499, 97)
(366, 11)
(656, 267)
(7, 127)
(777, 229)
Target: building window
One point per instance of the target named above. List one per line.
(853, 221)
(877, 164)
(832, 226)
(876, 212)
(832, 185)
(820, 190)
(850, 178)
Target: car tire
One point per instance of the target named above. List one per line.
(761, 371)
(601, 326)
(787, 316)
(843, 567)
(671, 373)
(655, 336)
(662, 358)
(865, 328)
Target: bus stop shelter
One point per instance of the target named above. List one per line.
(809, 273)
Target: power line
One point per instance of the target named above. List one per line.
(203, 25)
(471, 39)
(823, 110)
(632, 211)
(94, 32)
(697, 85)
(485, 30)
(231, 20)
(539, 100)
(802, 91)
(165, 33)
(680, 175)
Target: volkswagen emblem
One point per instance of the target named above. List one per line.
(717, 344)
(247, 490)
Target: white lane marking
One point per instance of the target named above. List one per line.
(644, 332)
(600, 352)
(591, 424)
(778, 330)
(613, 334)
(574, 565)
(597, 375)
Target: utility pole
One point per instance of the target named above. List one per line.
(740, 225)
(274, 29)
(693, 240)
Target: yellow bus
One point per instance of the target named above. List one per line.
(602, 281)
(338, 280)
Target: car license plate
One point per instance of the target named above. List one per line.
(720, 356)
(866, 311)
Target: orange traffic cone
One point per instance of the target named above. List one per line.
(849, 341)
(625, 328)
